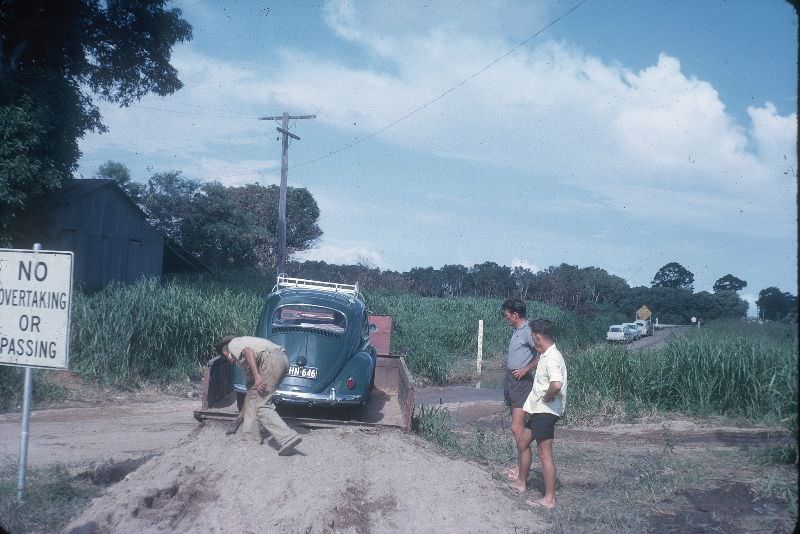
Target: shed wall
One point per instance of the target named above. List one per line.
(110, 238)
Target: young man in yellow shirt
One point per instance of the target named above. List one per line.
(546, 404)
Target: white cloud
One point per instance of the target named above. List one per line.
(558, 110)
(345, 253)
(654, 143)
(775, 137)
(525, 264)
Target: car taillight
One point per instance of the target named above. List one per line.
(351, 384)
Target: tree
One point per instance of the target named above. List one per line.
(489, 279)
(112, 170)
(671, 305)
(168, 201)
(774, 304)
(229, 226)
(729, 283)
(522, 279)
(302, 214)
(725, 303)
(673, 275)
(56, 57)
(453, 277)
(425, 281)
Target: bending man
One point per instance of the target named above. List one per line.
(264, 364)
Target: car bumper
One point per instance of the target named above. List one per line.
(332, 398)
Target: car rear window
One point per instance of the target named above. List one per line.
(615, 329)
(308, 316)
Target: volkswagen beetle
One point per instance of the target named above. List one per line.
(325, 329)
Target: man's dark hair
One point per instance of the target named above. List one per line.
(543, 327)
(222, 342)
(514, 306)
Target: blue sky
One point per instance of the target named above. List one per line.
(628, 135)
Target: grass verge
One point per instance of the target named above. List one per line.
(729, 368)
(608, 483)
(12, 385)
(52, 496)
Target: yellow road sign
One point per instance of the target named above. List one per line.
(643, 313)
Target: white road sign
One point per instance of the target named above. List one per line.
(35, 300)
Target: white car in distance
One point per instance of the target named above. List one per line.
(634, 330)
(617, 334)
(644, 327)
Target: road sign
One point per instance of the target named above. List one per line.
(643, 313)
(35, 303)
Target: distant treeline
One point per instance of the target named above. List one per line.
(584, 290)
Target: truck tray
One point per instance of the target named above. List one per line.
(391, 401)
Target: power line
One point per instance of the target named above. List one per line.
(181, 112)
(224, 110)
(447, 92)
(376, 132)
(184, 148)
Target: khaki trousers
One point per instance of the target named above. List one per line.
(259, 407)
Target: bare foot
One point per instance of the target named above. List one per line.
(541, 503)
(519, 486)
(512, 473)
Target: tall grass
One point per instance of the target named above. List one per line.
(12, 384)
(155, 331)
(435, 333)
(166, 330)
(728, 367)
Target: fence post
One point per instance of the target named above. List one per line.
(479, 364)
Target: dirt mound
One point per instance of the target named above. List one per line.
(341, 480)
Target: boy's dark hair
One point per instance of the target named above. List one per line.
(514, 306)
(222, 343)
(543, 327)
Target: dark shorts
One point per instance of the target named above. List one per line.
(543, 425)
(516, 391)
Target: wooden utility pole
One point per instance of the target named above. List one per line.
(284, 130)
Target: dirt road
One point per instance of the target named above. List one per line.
(344, 479)
(659, 338)
(80, 436)
(377, 480)
(186, 478)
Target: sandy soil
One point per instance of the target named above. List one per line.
(341, 480)
(78, 436)
(186, 477)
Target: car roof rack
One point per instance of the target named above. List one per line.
(287, 282)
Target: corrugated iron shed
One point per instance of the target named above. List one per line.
(109, 234)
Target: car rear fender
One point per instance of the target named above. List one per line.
(360, 367)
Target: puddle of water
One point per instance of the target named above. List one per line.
(491, 380)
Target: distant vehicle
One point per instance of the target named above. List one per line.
(646, 327)
(617, 334)
(636, 333)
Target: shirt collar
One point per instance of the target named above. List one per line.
(550, 349)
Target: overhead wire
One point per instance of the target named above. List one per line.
(445, 93)
(386, 127)
(224, 110)
(181, 112)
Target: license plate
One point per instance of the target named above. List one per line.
(302, 372)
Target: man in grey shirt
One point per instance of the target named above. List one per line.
(522, 359)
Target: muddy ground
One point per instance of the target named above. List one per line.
(174, 475)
